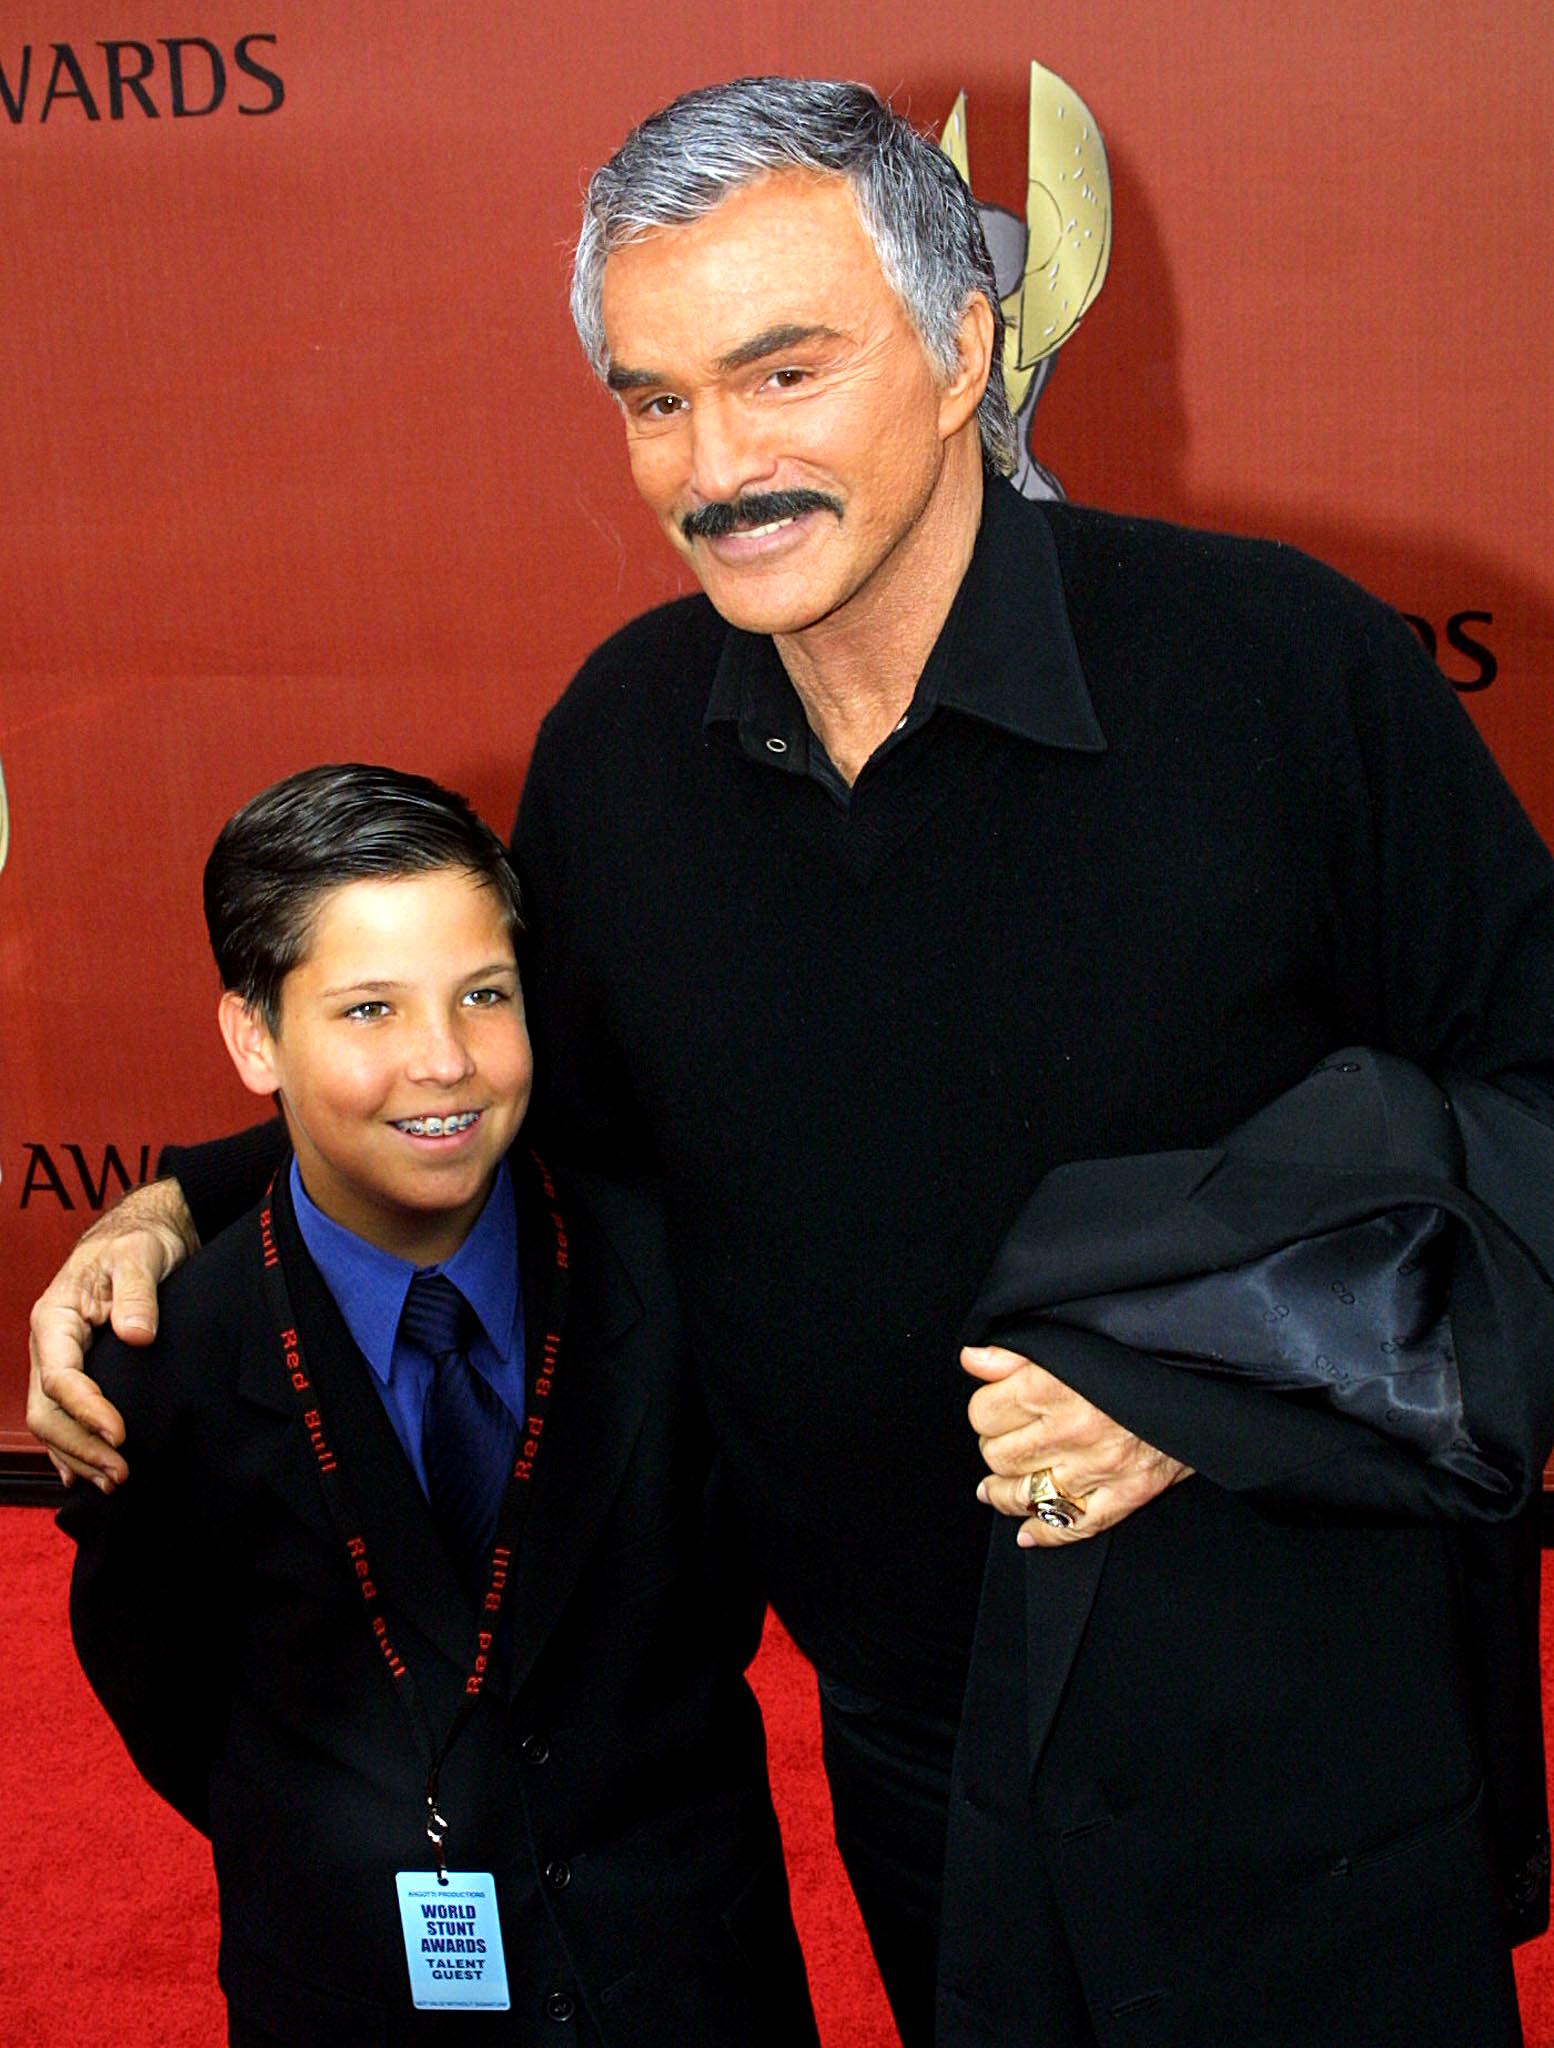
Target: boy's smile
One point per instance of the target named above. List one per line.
(401, 1058)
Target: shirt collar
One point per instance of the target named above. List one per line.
(370, 1284)
(1006, 653)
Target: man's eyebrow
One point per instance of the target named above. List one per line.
(772, 341)
(631, 380)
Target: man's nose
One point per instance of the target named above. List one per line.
(729, 453)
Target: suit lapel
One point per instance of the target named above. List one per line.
(1030, 1622)
(262, 1383)
(597, 1408)
(417, 1572)
(1060, 1587)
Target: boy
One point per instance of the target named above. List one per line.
(404, 1606)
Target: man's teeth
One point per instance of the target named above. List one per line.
(436, 1126)
(772, 526)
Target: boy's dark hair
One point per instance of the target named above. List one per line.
(315, 831)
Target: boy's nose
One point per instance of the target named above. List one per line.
(440, 1054)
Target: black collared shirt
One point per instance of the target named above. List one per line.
(1005, 655)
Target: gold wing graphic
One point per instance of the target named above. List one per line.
(1068, 221)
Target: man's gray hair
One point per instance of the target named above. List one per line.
(680, 163)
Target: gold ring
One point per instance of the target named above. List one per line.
(1048, 1503)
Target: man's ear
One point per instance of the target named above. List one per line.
(250, 1042)
(959, 399)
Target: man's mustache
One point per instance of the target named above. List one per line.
(760, 508)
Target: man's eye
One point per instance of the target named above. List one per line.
(663, 407)
(787, 379)
(368, 1011)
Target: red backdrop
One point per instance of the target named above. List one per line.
(300, 461)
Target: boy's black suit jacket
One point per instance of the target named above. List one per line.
(613, 1776)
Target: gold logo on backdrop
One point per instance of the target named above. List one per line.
(1050, 267)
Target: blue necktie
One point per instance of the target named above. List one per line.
(467, 1436)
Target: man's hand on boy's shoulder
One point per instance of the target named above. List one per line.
(113, 1273)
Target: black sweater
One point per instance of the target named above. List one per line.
(853, 1040)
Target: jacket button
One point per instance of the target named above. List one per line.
(534, 1749)
(558, 1874)
(560, 2005)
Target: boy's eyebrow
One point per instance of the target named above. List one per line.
(377, 988)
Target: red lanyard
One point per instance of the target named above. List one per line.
(342, 1505)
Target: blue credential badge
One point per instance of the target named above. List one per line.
(453, 1941)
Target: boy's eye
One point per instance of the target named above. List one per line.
(368, 1010)
(485, 998)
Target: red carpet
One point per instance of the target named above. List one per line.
(107, 1904)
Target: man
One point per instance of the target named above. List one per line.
(953, 839)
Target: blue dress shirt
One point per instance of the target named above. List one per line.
(370, 1286)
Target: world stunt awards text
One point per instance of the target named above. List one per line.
(447, 1935)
